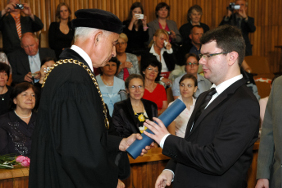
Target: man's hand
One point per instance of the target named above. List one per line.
(126, 142)
(164, 179)
(159, 129)
(120, 184)
(28, 77)
(27, 10)
(37, 75)
(262, 183)
(243, 13)
(166, 81)
(173, 34)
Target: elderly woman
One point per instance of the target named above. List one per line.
(16, 127)
(162, 12)
(188, 87)
(5, 90)
(129, 115)
(194, 15)
(161, 48)
(136, 29)
(110, 85)
(129, 62)
(153, 91)
(61, 33)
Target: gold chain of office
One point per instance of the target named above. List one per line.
(60, 62)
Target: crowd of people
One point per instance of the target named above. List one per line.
(132, 79)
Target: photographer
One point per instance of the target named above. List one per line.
(15, 20)
(237, 16)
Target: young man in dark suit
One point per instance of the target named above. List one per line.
(218, 145)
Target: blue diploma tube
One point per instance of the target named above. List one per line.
(166, 117)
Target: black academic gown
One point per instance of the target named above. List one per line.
(70, 146)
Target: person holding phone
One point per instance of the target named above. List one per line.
(136, 29)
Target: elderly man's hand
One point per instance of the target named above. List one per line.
(27, 9)
(28, 77)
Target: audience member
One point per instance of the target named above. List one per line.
(240, 19)
(161, 48)
(129, 62)
(16, 127)
(191, 67)
(194, 15)
(194, 46)
(46, 63)
(61, 33)
(5, 90)
(269, 154)
(14, 22)
(110, 85)
(218, 145)
(153, 91)
(161, 22)
(188, 87)
(4, 59)
(130, 114)
(26, 62)
(136, 29)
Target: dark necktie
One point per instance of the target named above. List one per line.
(211, 92)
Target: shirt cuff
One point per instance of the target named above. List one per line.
(172, 174)
(163, 140)
(170, 51)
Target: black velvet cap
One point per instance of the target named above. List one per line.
(97, 18)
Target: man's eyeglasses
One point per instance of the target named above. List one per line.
(192, 64)
(207, 56)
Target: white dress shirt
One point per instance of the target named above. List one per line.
(161, 57)
(83, 54)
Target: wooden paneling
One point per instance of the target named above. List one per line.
(266, 13)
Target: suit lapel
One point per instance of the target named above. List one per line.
(148, 109)
(221, 98)
(130, 115)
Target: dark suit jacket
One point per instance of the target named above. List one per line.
(123, 116)
(71, 147)
(218, 151)
(11, 41)
(246, 28)
(20, 64)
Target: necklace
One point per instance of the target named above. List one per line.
(108, 84)
(22, 116)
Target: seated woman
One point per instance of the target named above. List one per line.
(61, 33)
(153, 91)
(194, 15)
(16, 127)
(130, 114)
(161, 49)
(129, 62)
(161, 22)
(4, 59)
(136, 29)
(188, 87)
(5, 90)
(109, 84)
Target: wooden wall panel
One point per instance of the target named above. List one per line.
(266, 13)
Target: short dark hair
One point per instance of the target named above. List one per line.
(5, 68)
(198, 26)
(148, 60)
(191, 55)
(115, 60)
(196, 8)
(162, 5)
(58, 10)
(133, 6)
(228, 38)
(132, 76)
(189, 76)
(19, 88)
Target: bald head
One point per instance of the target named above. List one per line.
(30, 44)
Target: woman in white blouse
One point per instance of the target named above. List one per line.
(188, 86)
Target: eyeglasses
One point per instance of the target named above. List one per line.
(135, 87)
(151, 69)
(207, 56)
(191, 64)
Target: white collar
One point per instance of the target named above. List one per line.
(83, 54)
(224, 85)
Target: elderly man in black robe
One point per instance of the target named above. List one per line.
(71, 146)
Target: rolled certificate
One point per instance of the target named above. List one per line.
(166, 117)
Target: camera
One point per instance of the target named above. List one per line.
(19, 6)
(232, 7)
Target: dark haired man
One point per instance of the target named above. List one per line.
(218, 144)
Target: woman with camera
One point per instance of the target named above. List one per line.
(136, 29)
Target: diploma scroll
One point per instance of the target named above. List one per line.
(166, 117)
